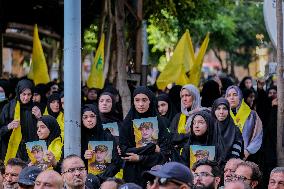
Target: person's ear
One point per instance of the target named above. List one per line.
(217, 181)
(183, 186)
(254, 184)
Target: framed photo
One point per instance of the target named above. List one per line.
(112, 127)
(198, 152)
(36, 151)
(102, 156)
(146, 131)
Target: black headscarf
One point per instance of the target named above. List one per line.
(22, 85)
(211, 134)
(6, 86)
(171, 110)
(41, 89)
(53, 127)
(52, 97)
(226, 127)
(209, 93)
(118, 104)
(113, 115)
(151, 112)
(174, 95)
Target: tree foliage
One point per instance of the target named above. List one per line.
(233, 25)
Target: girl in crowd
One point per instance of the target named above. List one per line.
(203, 133)
(140, 159)
(246, 120)
(92, 130)
(48, 130)
(180, 125)
(107, 108)
(165, 106)
(54, 108)
(231, 135)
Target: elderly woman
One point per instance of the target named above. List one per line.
(180, 125)
(246, 119)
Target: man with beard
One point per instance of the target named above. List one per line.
(11, 177)
(74, 172)
(230, 169)
(207, 174)
(237, 185)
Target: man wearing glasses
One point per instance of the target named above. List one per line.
(74, 172)
(249, 173)
(207, 174)
(172, 175)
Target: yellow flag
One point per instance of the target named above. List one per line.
(38, 70)
(180, 63)
(96, 77)
(195, 70)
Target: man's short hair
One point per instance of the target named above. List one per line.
(204, 153)
(2, 167)
(102, 148)
(256, 173)
(277, 170)
(213, 164)
(118, 181)
(70, 157)
(16, 162)
(37, 148)
(146, 125)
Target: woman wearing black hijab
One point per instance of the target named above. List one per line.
(140, 159)
(203, 133)
(107, 108)
(165, 107)
(17, 118)
(231, 135)
(92, 130)
(209, 93)
(53, 106)
(48, 130)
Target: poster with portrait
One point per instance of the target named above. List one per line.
(198, 152)
(146, 131)
(36, 151)
(102, 155)
(112, 127)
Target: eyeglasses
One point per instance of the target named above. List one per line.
(202, 174)
(165, 181)
(240, 177)
(73, 170)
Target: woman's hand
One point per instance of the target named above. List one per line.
(13, 125)
(246, 153)
(131, 157)
(88, 154)
(157, 149)
(36, 111)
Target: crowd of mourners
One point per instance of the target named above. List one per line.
(221, 135)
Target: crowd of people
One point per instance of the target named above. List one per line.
(221, 135)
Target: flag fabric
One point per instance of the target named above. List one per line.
(179, 64)
(182, 62)
(96, 77)
(195, 71)
(38, 70)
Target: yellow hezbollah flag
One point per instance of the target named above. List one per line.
(195, 70)
(96, 77)
(38, 70)
(180, 63)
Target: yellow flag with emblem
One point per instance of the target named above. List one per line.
(195, 70)
(96, 77)
(38, 70)
(179, 64)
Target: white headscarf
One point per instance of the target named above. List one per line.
(196, 104)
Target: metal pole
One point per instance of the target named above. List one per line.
(72, 77)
